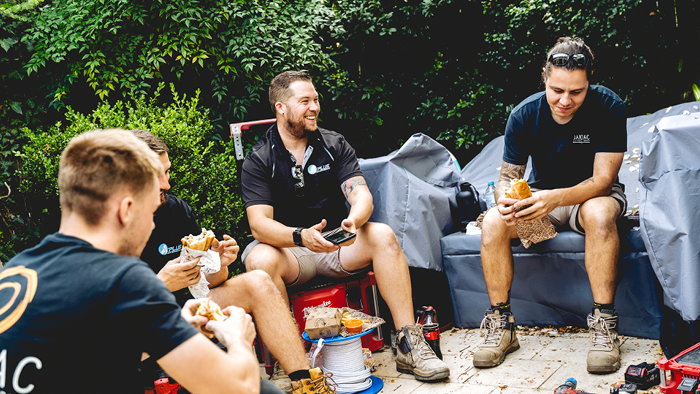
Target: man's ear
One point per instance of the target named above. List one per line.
(125, 214)
(280, 107)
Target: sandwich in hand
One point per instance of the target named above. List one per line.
(202, 241)
(518, 189)
(211, 311)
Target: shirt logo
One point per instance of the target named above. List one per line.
(164, 249)
(582, 139)
(22, 282)
(312, 169)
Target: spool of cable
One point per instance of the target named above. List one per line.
(345, 361)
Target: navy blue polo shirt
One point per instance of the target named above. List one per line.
(267, 178)
(563, 155)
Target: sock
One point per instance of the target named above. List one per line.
(299, 375)
(502, 307)
(605, 308)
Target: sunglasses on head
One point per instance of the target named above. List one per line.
(561, 59)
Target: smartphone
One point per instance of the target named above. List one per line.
(339, 236)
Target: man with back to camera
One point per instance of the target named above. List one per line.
(576, 135)
(296, 181)
(80, 308)
(252, 291)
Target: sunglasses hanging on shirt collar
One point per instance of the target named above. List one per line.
(561, 59)
(298, 174)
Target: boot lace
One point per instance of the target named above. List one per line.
(492, 324)
(600, 331)
(324, 384)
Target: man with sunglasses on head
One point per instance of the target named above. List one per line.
(296, 181)
(576, 135)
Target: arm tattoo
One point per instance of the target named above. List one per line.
(587, 181)
(508, 172)
(350, 185)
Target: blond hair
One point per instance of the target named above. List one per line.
(101, 163)
(156, 144)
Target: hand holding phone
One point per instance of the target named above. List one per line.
(339, 236)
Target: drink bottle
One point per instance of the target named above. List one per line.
(489, 195)
(569, 387)
(431, 329)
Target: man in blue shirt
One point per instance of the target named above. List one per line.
(576, 135)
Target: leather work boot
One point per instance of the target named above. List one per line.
(604, 354)
(500, 339)
(318, 384)
(415, 356)
(280, 379)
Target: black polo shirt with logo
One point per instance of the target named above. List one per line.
(563, 155)
(267, 178)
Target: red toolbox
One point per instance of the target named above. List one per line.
(681, 374)
(360, 294)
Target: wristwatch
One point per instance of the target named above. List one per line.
(297, 237)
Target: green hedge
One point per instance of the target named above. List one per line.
(203, 173)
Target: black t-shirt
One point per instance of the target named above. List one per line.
(174, 220)
(89, 315)
(267, 179)
(563, 155)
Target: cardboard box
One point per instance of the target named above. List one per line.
(323, 323)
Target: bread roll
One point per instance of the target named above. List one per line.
(518, 189)
(202, 241)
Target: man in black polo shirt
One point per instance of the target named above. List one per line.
(254, 291)
(80, 308)
(296, 181)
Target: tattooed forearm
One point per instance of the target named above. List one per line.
(508, 172)
(587, 181)
(349, 186)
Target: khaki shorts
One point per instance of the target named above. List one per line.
(567, 216)
(311, 264)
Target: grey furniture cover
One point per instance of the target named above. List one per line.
(669, 202)
(550, 284)
(414, 190)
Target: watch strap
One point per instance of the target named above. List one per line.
(296, 235)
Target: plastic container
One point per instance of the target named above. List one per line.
(489, 195)
(354, 326)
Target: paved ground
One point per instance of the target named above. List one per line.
(547, 357)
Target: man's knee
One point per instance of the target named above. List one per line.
(494, 229)
(258, 281)
(382, 236)
(262, 257)
(599, 216)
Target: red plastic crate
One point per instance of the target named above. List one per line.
(358, 294)
(685, 364)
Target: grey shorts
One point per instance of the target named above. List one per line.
(567, 216)
(310, 264)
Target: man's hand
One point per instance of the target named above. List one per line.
(348, 225)
(189, 311)
(227, 250)
(536, 207)
(506, 208)
(313, 240)
(239, 326)
(177, 275)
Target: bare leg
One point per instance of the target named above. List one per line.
(279, 263)
(496, 256)
(257, 294)
(598, 217)
(377, 243)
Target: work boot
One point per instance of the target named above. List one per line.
(416, 357)
(280, 379)
(500, 339)
(604, 354)
(317, 384)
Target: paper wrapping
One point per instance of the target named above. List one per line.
(210, 263)
(368, 322)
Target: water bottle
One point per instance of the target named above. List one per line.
(431, 329)
(466, 203)
(489, 196)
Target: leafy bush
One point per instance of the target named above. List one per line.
(203, 173)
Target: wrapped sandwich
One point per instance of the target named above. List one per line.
(211, 311)
(202, 241)
(529, 232)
